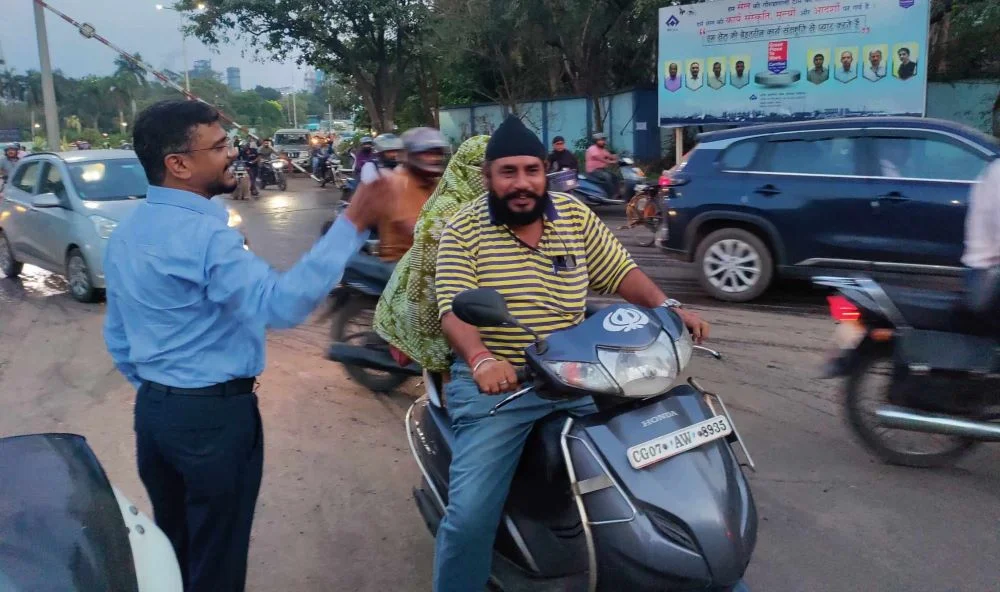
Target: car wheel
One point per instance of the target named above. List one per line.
(734, 265)
(9, 266)
(81, 288)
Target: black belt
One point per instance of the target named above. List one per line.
(237, 386)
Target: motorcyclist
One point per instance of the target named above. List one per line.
(507, 240)
(266, 151)
(365, 153)
(598, 158)
(425, 155)
(561, 159)
(10, 159)
(387, 148)
(250, 156)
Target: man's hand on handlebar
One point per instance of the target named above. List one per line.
(694, 323)
(496, 376)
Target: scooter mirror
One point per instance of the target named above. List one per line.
(482, 307)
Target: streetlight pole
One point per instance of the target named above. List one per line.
(48, 88)
(184, 51)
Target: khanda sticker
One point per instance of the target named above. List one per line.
(625, 320)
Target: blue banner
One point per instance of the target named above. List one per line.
(740, 61)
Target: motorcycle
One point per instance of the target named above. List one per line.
(356, 345)
(243, 186)
(645, 494)
(272, 172)
(935, 365)
(64, 526)
(594, 191)
(329, 169)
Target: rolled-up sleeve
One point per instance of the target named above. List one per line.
(256, 292)
(456, 269)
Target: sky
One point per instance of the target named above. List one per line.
(134, 26)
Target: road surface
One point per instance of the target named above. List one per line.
(335, 511)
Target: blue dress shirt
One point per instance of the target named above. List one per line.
(188, 306)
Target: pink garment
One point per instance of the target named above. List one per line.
(598, 158)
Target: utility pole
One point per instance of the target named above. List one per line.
(295, 113)
(329, 117)
(48, 88)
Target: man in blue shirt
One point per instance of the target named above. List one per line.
(187, 310)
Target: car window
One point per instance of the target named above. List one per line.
(109, 180)
(819, 156)
(926, 158)
(739, 156)
(52, 182)
(26, 177)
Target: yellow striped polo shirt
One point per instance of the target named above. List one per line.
(545, 287)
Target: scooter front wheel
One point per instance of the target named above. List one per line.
(868, 387)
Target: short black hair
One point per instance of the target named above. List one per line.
(820, 56)
(558, 139)
(740, 62)
(164, 128)
(902, 49)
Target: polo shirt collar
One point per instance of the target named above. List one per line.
(189, 201)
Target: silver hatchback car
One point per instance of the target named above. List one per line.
(58, 210)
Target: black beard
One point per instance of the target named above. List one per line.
(222, 188)
(504, 215)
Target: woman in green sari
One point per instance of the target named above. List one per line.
(407, 313)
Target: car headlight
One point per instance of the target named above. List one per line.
(103, 226)
(586, 376)
(645, 372)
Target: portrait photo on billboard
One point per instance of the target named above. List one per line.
(716, 72)
(875, 60)
(739, 70)
(818, 65)
(673, 77)
(694, 74)
(846, 69)
(905, 60)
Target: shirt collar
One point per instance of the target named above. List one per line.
(187, 200)
(551, 214)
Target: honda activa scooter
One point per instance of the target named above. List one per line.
(593, 191)
(646, 494)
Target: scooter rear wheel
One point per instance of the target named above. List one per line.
(867, 388)
(354, 325)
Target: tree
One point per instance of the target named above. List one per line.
(129, 78)
(370, 43)
(962, 40)
(267, 93)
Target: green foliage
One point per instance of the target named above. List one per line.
(963, 39)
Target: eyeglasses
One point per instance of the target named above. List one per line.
(226, 147)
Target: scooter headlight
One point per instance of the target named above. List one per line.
(278, 165)
(586, 376)
(646, 372)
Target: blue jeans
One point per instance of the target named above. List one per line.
(486, 454)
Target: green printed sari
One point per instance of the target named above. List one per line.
(407, 313)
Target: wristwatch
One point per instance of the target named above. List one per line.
(671, 303)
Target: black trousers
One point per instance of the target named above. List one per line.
(201, 459)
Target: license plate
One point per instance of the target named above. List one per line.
(653, 451)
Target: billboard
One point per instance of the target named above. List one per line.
(752, 61)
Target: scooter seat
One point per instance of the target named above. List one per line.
(934, 310)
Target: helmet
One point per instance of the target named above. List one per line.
(366, 140)
(388, 142)
(425, 139)
(599, 136)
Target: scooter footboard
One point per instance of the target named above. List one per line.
(686, 520)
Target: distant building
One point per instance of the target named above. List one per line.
(233, 79)
(320, 78)
(203, 69)
(310, 81)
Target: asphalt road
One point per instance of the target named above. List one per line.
(335, 511)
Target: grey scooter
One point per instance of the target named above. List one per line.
(645, 494)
